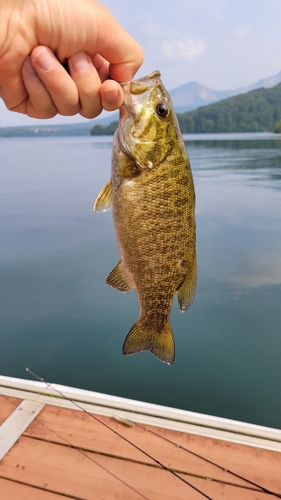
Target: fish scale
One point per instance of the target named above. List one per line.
(152, 196)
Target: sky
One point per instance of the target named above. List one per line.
(222, 44)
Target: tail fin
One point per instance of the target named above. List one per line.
(160, 343)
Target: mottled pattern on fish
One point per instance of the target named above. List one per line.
(153, 203)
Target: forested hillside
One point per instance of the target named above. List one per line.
(256, 111)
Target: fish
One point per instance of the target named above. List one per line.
(151, 193)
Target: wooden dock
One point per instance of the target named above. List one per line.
(50, 449)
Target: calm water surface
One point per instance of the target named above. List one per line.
(59, 318)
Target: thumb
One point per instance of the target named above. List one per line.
(118, 47)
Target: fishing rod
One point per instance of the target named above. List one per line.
(154, 459)
(85, 455)
(163, 466)
(224, 469)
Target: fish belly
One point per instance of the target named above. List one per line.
(155, 228)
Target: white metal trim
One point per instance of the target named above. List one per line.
(145, 413)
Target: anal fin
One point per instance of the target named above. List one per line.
(118, 278)
(187, 289)
(104, 199)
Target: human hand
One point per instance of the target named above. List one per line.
(85, 34)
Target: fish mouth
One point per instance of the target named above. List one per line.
(123, 113)
(129, 142)
(123, 131)
(132, 89)
(124, 122)
(137, 87)
(130, 129)
(150, 79)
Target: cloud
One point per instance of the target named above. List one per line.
(242, 31)
(259, 270)
(185, 48)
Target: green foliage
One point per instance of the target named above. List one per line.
(256, 111)
(277, 129)
(101, 130)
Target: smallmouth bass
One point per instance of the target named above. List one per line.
(152, 196)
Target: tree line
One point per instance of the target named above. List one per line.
(256, 111)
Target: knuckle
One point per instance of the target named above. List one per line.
(41, 113)
(89, 93)
(69, 110)
(86, 113)
(36, 114)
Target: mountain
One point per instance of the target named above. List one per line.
(187, 97)
(256, 111)
(192, 95)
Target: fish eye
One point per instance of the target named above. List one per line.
(162, 110)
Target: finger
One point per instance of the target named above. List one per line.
(57, 81)
(111, 95)
(13, 92)
(39, 103)
(88, 77)
(88, 84)
(102, 66)
(111, 92)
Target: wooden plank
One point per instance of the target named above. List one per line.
(16, 491)
(259, 466)
(221, 491)
(59, 469)
(81, 430)
(7, 406)
(16, 424)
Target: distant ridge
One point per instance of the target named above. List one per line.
(187, 97)
(257, 111)
(51, 130)
(192, 95)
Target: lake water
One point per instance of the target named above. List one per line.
(59, 318)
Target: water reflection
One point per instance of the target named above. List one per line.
(60, 318)
(261, 158)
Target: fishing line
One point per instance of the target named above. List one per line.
(163, 466)
(84, 453)
(224, 469)
(264, 490)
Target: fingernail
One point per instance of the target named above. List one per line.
(111, 94)
(80, 62)
(45, 59)
(28, 67)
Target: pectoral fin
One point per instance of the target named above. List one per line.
(160, 344)
(118, 278)
(187, 289)
(104, 199)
